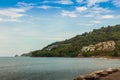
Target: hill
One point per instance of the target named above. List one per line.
(87, 44)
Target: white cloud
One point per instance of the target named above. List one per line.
(25, 5)
(10, 20)
(96, 12)
(96, 21)
(45, 1)
(64, 2)
(90, 12)
(44, 7)
(88, 15)
(13, 14)
(79, 1)
(116, 3)
(69, 14)
(93, 2)
(58, 1)
(0, 19)
(47, 7)
(98, 9)
(81, 9)
(107, 17)
(85, 24)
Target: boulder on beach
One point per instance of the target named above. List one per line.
(97, 75)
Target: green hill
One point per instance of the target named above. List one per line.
(73, 47)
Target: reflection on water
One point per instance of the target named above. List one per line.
(25, 68)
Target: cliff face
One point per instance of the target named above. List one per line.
(101, 46)
(106, 46)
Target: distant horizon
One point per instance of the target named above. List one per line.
(28, 25)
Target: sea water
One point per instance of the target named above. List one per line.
(27, 68)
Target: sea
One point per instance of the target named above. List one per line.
(53, 68)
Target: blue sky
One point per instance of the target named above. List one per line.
(27, 25)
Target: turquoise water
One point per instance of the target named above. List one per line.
(25, 68)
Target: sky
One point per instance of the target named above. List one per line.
(28, 25)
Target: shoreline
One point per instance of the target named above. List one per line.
(109, 74)
(102, 57)
(94, 57)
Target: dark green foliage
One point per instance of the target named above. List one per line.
(72, 47)
(92, 53)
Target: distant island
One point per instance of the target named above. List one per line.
(99, 42)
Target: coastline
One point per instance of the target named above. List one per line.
(109, 74)
(102, 57)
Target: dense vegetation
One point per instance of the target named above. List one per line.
(72, 47)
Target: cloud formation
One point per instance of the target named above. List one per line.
(116, 3)
(107, 17)
(96, 22)
(79, 1)
(45, 7)
(81, 9)
(69, 14)
(93, 2)
(64, 2)
(13, 14)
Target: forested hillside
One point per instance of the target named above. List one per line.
(72, 47)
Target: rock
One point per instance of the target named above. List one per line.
(99, 71)
(92, 77)
(102, 74)
(98, 74)
(88, 48)
(110, 70)
(101, 46)
(80, 78)
(49, 48)
(16, 55)
(115, 70)
(118, 68)
(89, 77)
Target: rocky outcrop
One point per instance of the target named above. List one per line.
(51, 47)
(98, 74)
(88, 48)
(108, 45)
(104, 46)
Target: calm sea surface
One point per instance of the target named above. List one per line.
(25, 68)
